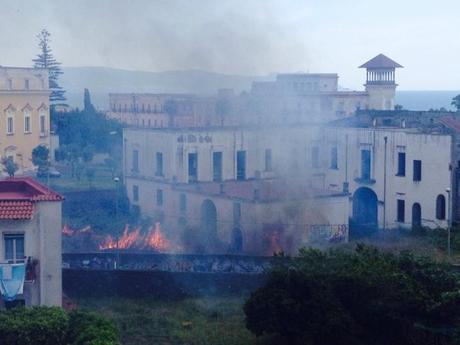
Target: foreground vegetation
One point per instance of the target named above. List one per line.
(364, 297)
(54, 326)
(197, 321)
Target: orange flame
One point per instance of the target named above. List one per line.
(153, 239)
(66, 231)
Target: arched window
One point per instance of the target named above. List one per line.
(440, 207)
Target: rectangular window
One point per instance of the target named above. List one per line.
(236, 212)
(192, 167)
(135, 193)
(14, 247)
(334, 158)
(42, 125)
(135, 166)
(159, 197)
(268, 160)
(183, 202)
(26, 84)
(159, 164)
(401, 164)
(241, 165)
(400, 210)
(217, 166)
(417, 170)
(9, 125)
(366, 164)
(315, 157)
(27, 123)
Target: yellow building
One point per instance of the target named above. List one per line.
(24, 118)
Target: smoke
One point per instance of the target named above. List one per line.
(235, 37)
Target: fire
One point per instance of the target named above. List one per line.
(66, 231)
(153, 239)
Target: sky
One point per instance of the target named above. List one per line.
(246, 37)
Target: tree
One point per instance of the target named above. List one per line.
(88, 106)
(9, 166)
(456, 102)
(40, 156)
(45, 59)
(356, 298)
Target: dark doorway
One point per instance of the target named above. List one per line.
(209, 222)
(364, 221)
(416, 215)
(237, 240)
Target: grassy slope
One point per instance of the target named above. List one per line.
(199, 321)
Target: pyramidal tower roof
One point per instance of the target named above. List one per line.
(381, 61)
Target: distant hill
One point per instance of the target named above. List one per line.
(102, 80)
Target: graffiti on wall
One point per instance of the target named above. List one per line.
(326, 233)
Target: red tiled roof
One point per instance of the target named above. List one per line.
(381, 61)
(15, 210)
(19, 195)
(451, 122)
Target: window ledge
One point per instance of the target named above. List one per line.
(400, 175)
(333, 168)
(10, 133)
(364, 181)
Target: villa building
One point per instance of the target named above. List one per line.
(25, 124)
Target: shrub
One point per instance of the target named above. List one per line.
(53, 326)
(91, 329)
(365, 297)
(35, 326)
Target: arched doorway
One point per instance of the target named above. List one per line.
(416, 215)
(365, 213)
(237, 240)
(209, 220)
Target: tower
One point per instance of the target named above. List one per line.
(380, 82)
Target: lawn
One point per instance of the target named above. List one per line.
(102, 179)
(193, 321)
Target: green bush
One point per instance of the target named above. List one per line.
(35, 326)
(54, 326)
(91, 329)
(365, 297)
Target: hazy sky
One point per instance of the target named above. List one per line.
(243, 37)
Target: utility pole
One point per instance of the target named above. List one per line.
(448, 222)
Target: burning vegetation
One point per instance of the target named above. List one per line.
(135, 239)
(153, 240)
